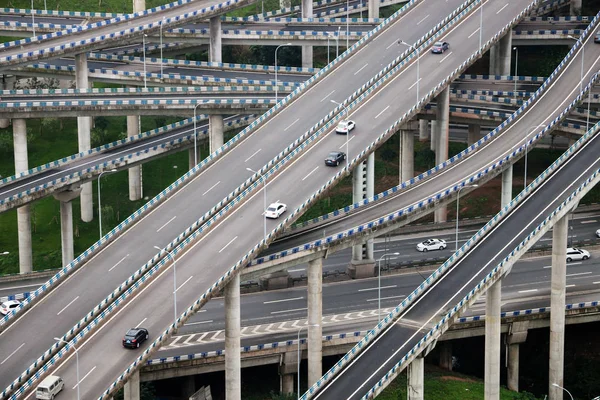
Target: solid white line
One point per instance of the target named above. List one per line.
(596, 283)
(211, 188)
(288, 311)
(199, 322)
(23, 286)
(498, 12)
(296, 270)
(72, 301)
(590, 221)
(383, 287)
(166, 223)
(579, 273)
(574, 263)
(414, 84)
(86, 375)
(344, 145)
(12, 354)
(290, 125)
(311, 172)
(120, 261)
(382, 111)
(387, 48)
(361, 68)
(424, 18)
(324, 98)
(389, 297)
(527, 291)
(141, 322)
(188, 279)
(255, 153)
(444, 59)
(231, 241)
(471, 35)
(569, 286)
(281, 301)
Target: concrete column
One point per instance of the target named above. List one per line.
(285, 3)
(517, 334)
(415, 379)
(288, 369)
(423, 130)
(500, 54)
(23, 213)
(474, 134)
(315, 320)
(433, 135)
(135, 173)
(287, 384)
(363, 186)
(215, 127)
(442, 134)
(492, 342)
(373, 8)
(139, 5)
(5, 122)
(407, 155)
(66, 223)
(507, 177)
(307, 50)
(575, 7)
(369, 193)
(233, 379)
(557, 307)
(357, 195)
(83, 137)
(445, 354)
(131, 391)
(215, 40)
(188, 387)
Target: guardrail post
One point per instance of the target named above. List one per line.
(474, 134)
(23, 213)
(492, 341)
(66, 223)
(83, 137)
(134, 173)
(415, 390)
(507, 180)
(407, 150)
(131, 391)
(557, 307)
(500, 54)
(307, 50)
(441, 140)
(233, 378)
(517, 333)
(315, 320)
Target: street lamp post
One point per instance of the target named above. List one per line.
(264, 202)
(560, 387)
(161, 47)
(99, 204)
(516, 69)
(347, 21)
(32, 19)
(276, 83)
(480, 24)
(144, 50)
(347, 132)
(76, 360)
(174, 282)
(457, 210)
(328, 36)
(195, 137)
(337, 42)
(300, 330)
(418, 64)
(379, 284)
(582, 60)
(4, 253)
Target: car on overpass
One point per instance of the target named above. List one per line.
(275, 210)
(335, 158)
(345, 127)
(431, 244)
(134, 337)
(440, 47)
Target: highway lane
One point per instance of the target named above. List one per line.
(93, 283)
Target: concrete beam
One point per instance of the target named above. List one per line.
(492, 342)
(83, 136)
(441, 141)
(23, 213)
(315, 321)
(233, 378)
(134, 173)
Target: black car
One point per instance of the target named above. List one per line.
(134, 337)
(335, 158)
(440, 47)
(597, 37)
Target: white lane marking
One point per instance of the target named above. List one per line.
(211, 188)
(344, 145)
(290, 125)
(424, 18)
(325, 98)
(388, 298)
(444, 59)
(311, 172)
(255, 153)
(361, 68)
(571, 263)
(199, 322)
(282, 300)
(569, 286)
(414, 84)
(382, 111)
(12, 354)
(579, 274)
(528, 291)
(22, 286)
(85, 376)
(187, 280)
(167, 223)
(596, 283)
(387, 48)
(231, 241)
(590, 221)
(119, 262)
(296, 270)
(288, 311)
(498, 12)
(471, 35)
(72, 301)
(374, 288)
(141, 322)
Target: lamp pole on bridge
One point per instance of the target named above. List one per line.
(32, 19)
(76, 358)
(276, 82)
(195, 137)
(337, 42)
(516, 70)
(170, 253)
(457, 211)
(144, 52)
(379, 284)
(560, 387)
(264, 202)
(299, 359)
(99, 204)
(161, 47)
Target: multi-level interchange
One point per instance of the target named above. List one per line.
(206, 233)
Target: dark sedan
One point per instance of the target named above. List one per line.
(134, 337)
(335, 158)
(440, 47)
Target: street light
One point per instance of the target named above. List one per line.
(4, 253)
(457, 202)
(328, 37)
(526, 145)
(582, 59)
(195, 137)
(347, 132)
(99, 205)
(516, 70)
(32, 19)
(300, 330)
(144, 50)
(337, 42)
(379, 284)
(174, 282)
(276, 83)
(480, 24)
(560, 387)
(264, 202)
(161, 47)
(76, 358)
(418, 64)
(347, 20)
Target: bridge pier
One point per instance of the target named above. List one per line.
(474, 134)
(83, 137)
(315, 320)
(575, 7)
(441, 141)
(507, 180)
(66, 223)
(23, 212)
(7, 84)
(233, 367)
(287, 371)
(407, 150)
(134, 173)
(423, 130)
(139, 5)
(557, 307)
(433, 136)
(307, 50)
(500, 55)
(215, 122)
(517, 334)
(131, 390)
(363, 187)
(445, 361)
(373, 8)
(215, 126)
(285, 3)
(492, 341)
(416, 378)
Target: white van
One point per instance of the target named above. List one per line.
(49, 388)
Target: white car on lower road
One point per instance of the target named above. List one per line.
(574, 254)
(432, 244)
(275, 210)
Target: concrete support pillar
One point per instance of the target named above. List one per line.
(492, 342)
(188, 386)
(233, 379)
(285, 3)
(373, 8)
(432, 142)
(575, 8)
(423, 130)
(215, 40)
(23, 213)
(517, 334)
(407, 155)
(415, 379)
(139, 5)
(442, 136)
(83, 136)
(507, 178)
(66, 223)
(369, 193)
(215, 127)
(131, 391)
(445, 354)
(287, 371)
(474, 134)
(6, 85)
(307, 50)
(315, 320)
(500, 54)
(557, 307)
(135, 173)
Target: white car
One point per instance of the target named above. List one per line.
(574, 254)
(8, 306)
(345, 127)
(275, 210)
(432, 244)
(598, 233)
